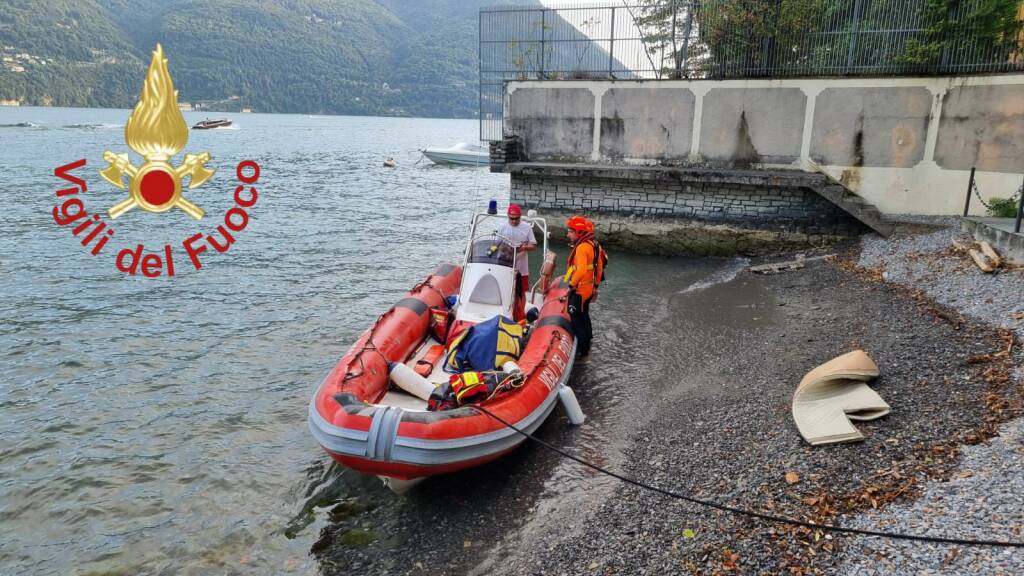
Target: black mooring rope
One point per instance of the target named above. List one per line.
(751, 513)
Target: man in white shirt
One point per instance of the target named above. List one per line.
(520, 235)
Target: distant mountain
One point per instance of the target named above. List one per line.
(65, 53)
(380, 57)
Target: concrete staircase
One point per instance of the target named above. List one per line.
(853, 205)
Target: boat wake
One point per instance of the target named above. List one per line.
(20, 125)
(103, 126)
(727, 274)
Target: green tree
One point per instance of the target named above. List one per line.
(750, 38)
(720, 38)
(956, 30)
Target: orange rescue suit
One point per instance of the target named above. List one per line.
(580, 274)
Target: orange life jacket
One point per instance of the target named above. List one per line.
(593, 272)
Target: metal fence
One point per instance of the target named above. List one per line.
(666, 39)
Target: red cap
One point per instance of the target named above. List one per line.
(514, 210)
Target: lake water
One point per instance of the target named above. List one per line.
(157, 425)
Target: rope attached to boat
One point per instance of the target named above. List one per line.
(428, 284)
(369, 345)
(751, 513)
(556, 337)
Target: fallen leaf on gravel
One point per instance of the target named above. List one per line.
(965, 473)
(729, 560)
(792, 477)
(593, 565)
(810, 500)
(1017, 315)
(688, 533)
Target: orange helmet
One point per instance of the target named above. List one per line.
(579, 224)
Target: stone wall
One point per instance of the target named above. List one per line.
(735, 204)
(688, 216)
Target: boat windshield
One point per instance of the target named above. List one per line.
(492, 250)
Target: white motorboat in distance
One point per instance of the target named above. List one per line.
(461, 154)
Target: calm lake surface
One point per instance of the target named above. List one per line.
(158, 426)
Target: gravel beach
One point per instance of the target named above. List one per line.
(985, 496)
(691, 391)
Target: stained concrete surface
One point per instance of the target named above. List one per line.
(649, 124)
(751, 125)
(982, 126)
(874, 127)
(554, 123)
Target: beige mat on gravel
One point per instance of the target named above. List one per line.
(834, 393)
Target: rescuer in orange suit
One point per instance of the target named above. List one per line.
(580, 276)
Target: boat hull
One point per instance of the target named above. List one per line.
(212, 125)
(456, 158)
(395, 442)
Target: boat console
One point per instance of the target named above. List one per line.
(488, 274)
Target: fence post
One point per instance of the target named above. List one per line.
(480, 70)
(611, 48)
(543, 32)
(675, 51)
(970, 186)
(765, 46)
(853, 36)
(686, 38)
(1020, 209)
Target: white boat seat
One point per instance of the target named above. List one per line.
(486, 291)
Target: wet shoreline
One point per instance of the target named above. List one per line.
(691, 392)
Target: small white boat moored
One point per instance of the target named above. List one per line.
(461, 154)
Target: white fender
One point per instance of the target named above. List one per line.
(572, 407)
(407, 379)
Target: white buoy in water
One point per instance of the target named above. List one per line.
(407, 379)
(572, 407)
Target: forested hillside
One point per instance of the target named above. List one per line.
(386, 57)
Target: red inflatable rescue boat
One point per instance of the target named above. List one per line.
(368, 423)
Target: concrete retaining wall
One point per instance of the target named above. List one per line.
(904, 144)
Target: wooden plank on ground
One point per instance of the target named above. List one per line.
(989, 251)
(980, 261)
